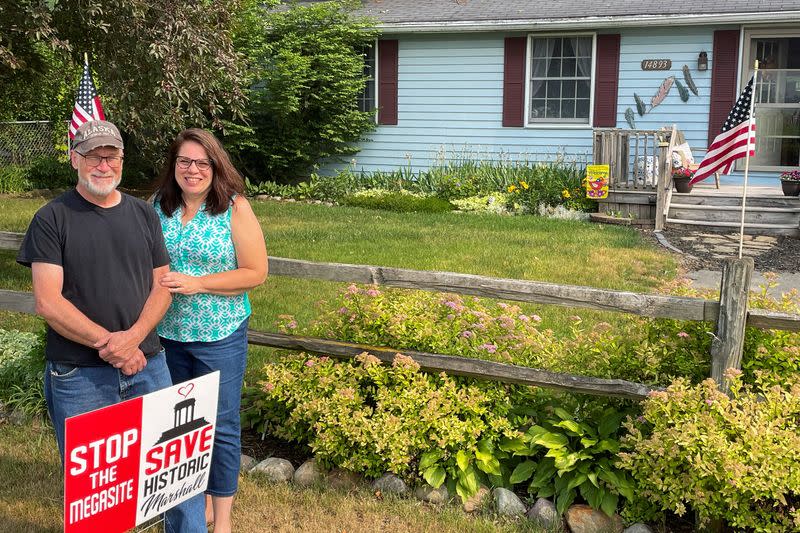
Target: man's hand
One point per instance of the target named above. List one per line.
(119, 347)
(134, 364)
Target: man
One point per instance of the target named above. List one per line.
(96, 256)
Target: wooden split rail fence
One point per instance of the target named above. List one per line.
(730, 314)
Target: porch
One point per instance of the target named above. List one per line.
(641, 189)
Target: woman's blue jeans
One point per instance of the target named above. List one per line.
(73, 390)
(187, 360)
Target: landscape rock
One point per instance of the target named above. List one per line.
(308, 474)
(476, 501)
(248, 463)
(507, 503)
(275, 469)
(428, 494)
(583, 519)
(390, 484)
(638, 528)
(544, 515)
(341, 479)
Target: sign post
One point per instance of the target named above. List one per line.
(128, 462)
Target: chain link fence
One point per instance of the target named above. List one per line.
(23, 142)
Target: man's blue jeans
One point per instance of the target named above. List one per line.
(72, 390)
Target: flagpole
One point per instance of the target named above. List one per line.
(751, 121)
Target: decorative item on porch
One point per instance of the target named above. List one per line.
(597, 181)
(681, 177)
(790, 183)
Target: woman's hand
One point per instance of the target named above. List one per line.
(178, 283)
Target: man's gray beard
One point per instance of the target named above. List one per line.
(98, 191)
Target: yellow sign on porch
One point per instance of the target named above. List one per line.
(597, 181)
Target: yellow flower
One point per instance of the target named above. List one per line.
(523, 184)
(565, 194)
(512, 188)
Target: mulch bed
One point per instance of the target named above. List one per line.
(263, 448)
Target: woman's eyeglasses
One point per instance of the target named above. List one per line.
(202, 164)
(114, 161)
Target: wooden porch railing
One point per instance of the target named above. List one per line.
(639, 160)
(635, 157)
(730, 314)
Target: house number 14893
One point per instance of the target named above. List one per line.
(656, 64)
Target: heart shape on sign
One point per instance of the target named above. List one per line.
(186, 389)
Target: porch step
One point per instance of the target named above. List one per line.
(766, 213)
(751, 228)
(737, 208)
(719, 200)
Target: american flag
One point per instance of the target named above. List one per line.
(87, 103)
(738, 132)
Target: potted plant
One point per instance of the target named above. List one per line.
(790, 182)
(681, 177)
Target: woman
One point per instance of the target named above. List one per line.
(217, 254)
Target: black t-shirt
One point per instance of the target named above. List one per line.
(108, 256)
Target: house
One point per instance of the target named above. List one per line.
(525, 80)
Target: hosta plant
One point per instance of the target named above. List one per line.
(565, 455)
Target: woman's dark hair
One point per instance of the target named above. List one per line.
(225, 182)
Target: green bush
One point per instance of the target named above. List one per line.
(491, 203)
(13, 178)
(51, 173)
(734, 458)
(307, 62)
(524, 184)
(643, 350)
(21, 370)
(569, 453)
(400, 201)
(372, 418)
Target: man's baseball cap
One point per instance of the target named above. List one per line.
(96, 133)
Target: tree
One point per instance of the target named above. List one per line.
(32, 57)
(160, 65)
(163, 65)
(307, 67)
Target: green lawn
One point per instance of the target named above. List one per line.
(30, 499)
(522, 247)
(515, 247)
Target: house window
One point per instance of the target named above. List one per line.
(777, 101)
(560, 83)
(366, 100)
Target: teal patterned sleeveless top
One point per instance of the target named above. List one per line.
(203, 246)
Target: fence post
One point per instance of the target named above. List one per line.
(728, 342)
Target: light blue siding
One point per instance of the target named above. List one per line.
(682, 45)
(450, 106)
(450, 101)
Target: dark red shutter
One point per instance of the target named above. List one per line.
(514, 82)
(606, 81)
(387, 81)
(723, 79)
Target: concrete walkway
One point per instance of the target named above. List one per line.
(720, 246)
(710, 279)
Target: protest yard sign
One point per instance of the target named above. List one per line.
(128, 462)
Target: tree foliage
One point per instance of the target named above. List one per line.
(160, 65)
(307, 67)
